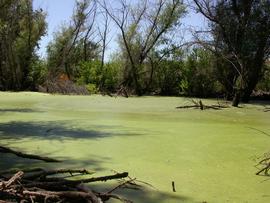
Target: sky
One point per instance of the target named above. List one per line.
(60, 11)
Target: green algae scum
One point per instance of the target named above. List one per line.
(209, 155)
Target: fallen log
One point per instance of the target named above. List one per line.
(28, 156)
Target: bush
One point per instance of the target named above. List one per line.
(264, 84)
(168, 77)
(89, 72)
(56, 86)
(198, 76)
(38, 73)
(111, 76)
(92, 88)
(97, 78)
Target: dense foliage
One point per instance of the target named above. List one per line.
(21, 28)
(150, 58)
(241, 32)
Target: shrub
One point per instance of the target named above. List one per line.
(168, 77)
(92, 88)
(38, 73)
(264, 84)
(104, 79)
(198, 76)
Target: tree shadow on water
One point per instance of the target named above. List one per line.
(57, 130)
(144, 194)
(14, 132)
(154, 196)
(10, 161)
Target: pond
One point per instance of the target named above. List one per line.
(210, 155)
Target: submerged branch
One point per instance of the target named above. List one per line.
(265, 164)
(201, 106)
(28, 156)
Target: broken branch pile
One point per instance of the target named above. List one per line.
(63, 86)
(201, 106)
(39, 185)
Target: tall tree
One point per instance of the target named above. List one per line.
(241, 32)
(142, 26)
(21, 28)
(73, 43)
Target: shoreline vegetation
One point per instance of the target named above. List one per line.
(152, 56)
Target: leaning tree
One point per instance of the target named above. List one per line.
(240, 31)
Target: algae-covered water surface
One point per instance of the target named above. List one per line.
(208, 154)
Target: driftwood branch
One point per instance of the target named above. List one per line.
(199, 105)
(264, 169)
(28, 156)
(60, 183)
(42, 174)
(12, 180)
(265, 164)
(122, 185)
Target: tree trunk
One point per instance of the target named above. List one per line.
(236, 99)
(252, 80)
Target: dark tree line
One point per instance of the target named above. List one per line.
(241, 42)
(151, 59)
(21, 28)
